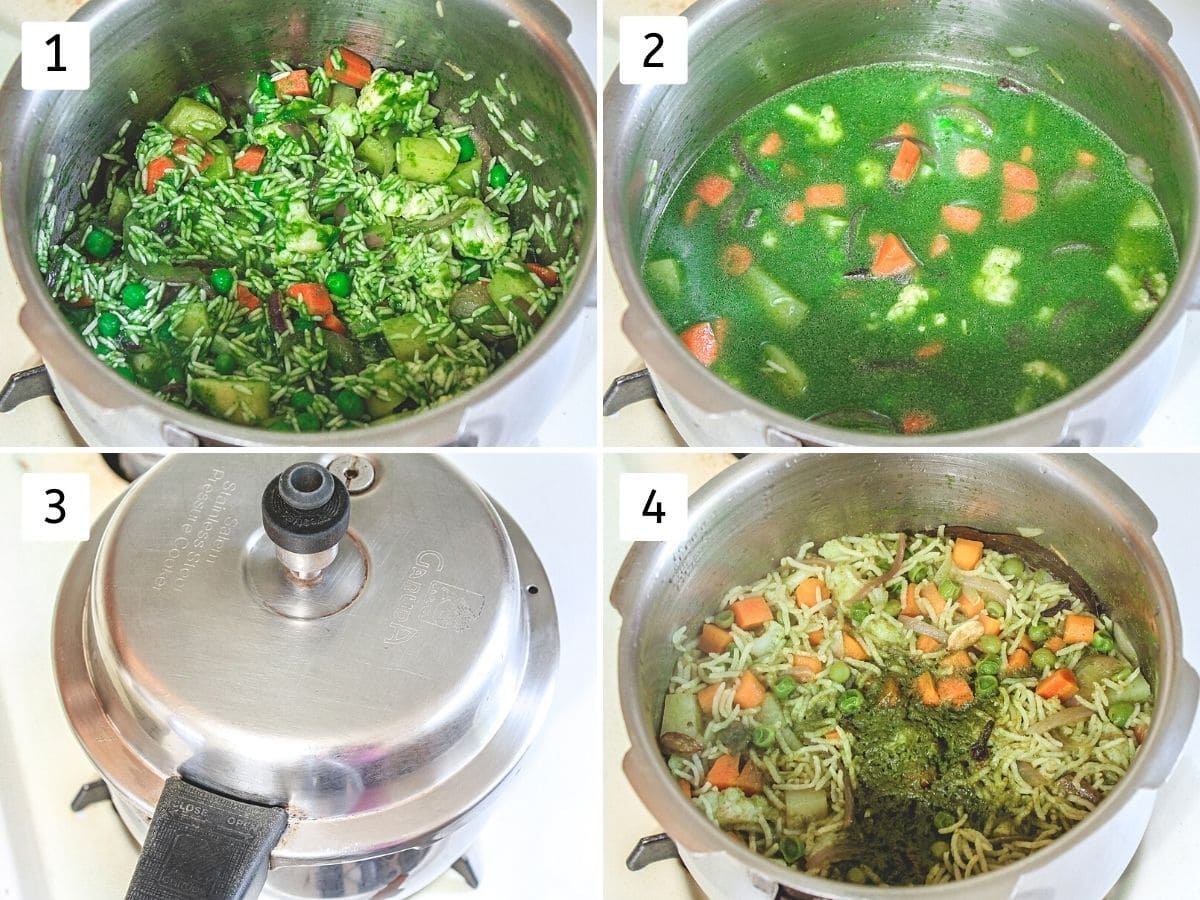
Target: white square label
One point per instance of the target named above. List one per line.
(56, 56)
(654, 507)
(654, 50)
(55, 506)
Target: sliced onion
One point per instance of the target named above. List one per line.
(1072, 181)
(818, 561)
(827, 856)
(960, 111)
(1031, 775)
(985, 586)
(1074, 247)
(895, 140)
(886, 576)
(1063, 717)
(920, 626)
(1079, 790)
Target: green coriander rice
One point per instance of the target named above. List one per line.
(330, 252)
(864, 727)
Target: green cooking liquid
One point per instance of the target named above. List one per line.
(1012, 317)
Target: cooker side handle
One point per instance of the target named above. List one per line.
(1171, 728)
(202, 844)
(1151, 18)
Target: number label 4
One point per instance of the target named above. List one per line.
(653, 506)
(654, 50)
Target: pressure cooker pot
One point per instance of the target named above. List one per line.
(1110, 60)
(305, 677)
(182, 45)
(759, 510)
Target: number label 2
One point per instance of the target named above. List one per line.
(654, 49)
(657, 39)
(55, 506)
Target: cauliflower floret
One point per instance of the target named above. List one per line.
(905, 307)
(871, 173)
(389, 95)
(1040, 369)
(302, 233)
(480, 233)
(1140, 296)
(734, 809)
(437, 281)
(995, 282)
(346, 120)
(399, 198)
(825, 127)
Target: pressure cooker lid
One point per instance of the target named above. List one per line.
(290, 642)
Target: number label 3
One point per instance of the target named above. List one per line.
(653, 507)
(55, 506)
(56, 56)
(654, 50)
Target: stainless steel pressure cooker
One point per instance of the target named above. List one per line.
(303, 677)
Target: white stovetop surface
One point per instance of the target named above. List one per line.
(535, 843)
(40, 423)
(644, 424)
(1165, 863)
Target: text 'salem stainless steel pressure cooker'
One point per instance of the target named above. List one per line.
(304, 678)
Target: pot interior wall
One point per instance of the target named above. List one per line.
(163, 49)
(766, 507)
(743, 53)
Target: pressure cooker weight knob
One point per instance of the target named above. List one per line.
(305, 513)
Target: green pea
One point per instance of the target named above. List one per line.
(1012, 568)
(498, 177)
(892, 607)
(988, 665)
(785, 687)
(859, 611)
(466, 149)
(723, 619)
(856, 875)
(851, 701)
(995, 609)
(990, 644)
(126, 373)
(1043, 658)
(259, 117)
(949, 589)
(791, 850)
(1102, 643)
(98, 243)
(839, 672)
(308, 421)
(1120, 713)
(133, 295)
(109, 325)
(349, 404)
(762, 737)
(225, 363)
(338, 284)
(918, 574)
(302, 400)
(265, 84)
(986, 685)
(939, 849)
(1039, 631)
(943, 820)
(174, 373)
(222, 280)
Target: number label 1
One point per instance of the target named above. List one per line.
(653, 506)
(56, 56)
(55, 506)
(654, 49)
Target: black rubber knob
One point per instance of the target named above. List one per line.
(306, 509)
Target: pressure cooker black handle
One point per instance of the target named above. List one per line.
(203, 844)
